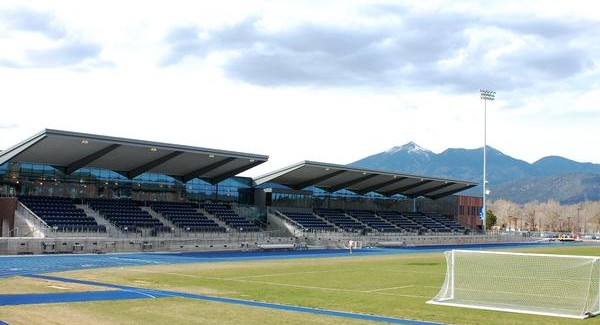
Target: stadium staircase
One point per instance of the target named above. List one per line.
(373, 221)
(306, 220)
(111, 230)
(232, 219)
(341, 220)
(185, 217)
(447, 222)
(426, 222)
(401, 221)
(159, 216)
(218, 221)
(128, 216)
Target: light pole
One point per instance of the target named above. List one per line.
(578, 209)
(485, 95)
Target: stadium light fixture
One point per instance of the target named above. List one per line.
(486, 95)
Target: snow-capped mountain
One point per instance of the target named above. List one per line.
(409, 157)
(505, 173)
(410, 147)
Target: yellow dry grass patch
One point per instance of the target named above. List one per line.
(160, 312)
(19, 284)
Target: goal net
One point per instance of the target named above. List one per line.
(543, 284)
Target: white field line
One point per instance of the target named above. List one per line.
(391, 288)
(277, 274)
(276, 284)
(405, 271)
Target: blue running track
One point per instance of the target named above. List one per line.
(48, 298)
(36, 264)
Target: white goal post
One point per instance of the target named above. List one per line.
(542, 284)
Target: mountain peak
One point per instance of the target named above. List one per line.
(513, 179)
(410, 147)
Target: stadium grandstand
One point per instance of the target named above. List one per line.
(67, 192)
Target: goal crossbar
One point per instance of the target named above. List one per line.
(524, 254)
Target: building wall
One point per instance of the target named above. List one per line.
(8, 205)
(469, 208)
(447, 205)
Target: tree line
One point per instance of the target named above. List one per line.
(551, 216)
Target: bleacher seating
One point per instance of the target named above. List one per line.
(430, 224)
(186, 216)
(126, 214)
(372, 220)
(61, 214)
(398, 219)
(309, 221)
(381, 221)
(341, 220)
(233, 220)
(447, 221)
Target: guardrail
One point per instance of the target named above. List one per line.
(38, 227)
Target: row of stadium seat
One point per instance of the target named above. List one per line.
(341, 220)
(186, 216)
(61, 214)
(381, 221)
(370, 219)
(126, 214)
(309, 221)
(225, 213)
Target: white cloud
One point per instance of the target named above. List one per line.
(334, 81)
(36, 39)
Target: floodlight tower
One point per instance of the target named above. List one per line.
(485, 95)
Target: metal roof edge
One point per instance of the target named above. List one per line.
(386, 172)
(161, 145)
(265, 178)
(16, 149)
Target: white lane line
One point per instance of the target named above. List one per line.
(140, 293)
(134, 260)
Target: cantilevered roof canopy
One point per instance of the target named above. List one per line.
(71, 151)
(337, 177)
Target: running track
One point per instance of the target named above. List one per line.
(36, 264)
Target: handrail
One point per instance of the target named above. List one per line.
(30, 214)
(15, 230)
(297, 227)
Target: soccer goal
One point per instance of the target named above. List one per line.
(542, 284)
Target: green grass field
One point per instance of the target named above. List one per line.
(387, 285)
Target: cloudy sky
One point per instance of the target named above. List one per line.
(330, 81)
